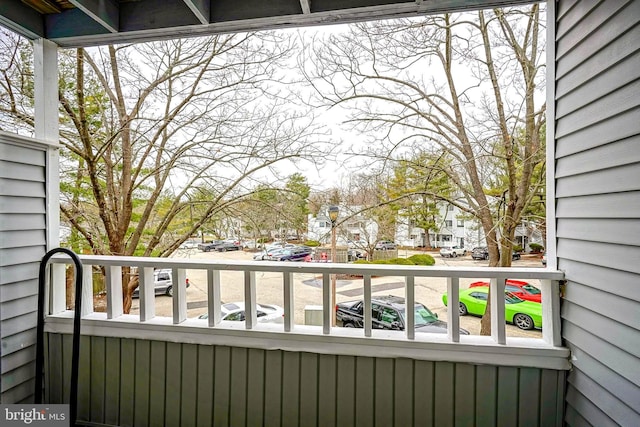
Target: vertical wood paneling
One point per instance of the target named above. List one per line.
(206, 380)
(66, 367)
(186, 384)
(383, 393)
(346, 393)
(273, 388)
(84, 386)
(141, 384)
(157, 394)
(112, 381)
(529, 397)
(465, 398)
(127, 382)
(327, 389)
(486, 395)
(445, 394)
(507, 410)
(290, 389)
(404, 387)
(309, 388)
(255, 387)
(174, 396)
(98, 354)
(189, 390)
(424, 392)
(238, 391)
(222, 359)
(365, 387)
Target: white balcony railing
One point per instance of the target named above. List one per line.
(545, 352)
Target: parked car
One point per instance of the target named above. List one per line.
(480, 252)
(267, 254)
(453, 251)
(298, 253)
(385, 245)
(355, 254)
(483, 253)
(388, 312)
(235, 311)
(162, 283)
(229, 245)
(523, 314)
(189, 244)
(521, 289)
(210, 245)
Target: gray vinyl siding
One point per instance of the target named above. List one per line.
(128, 382)
(22, 245)
(597, 170)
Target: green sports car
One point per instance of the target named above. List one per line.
(523, 314)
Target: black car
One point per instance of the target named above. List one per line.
(388, 312)
(483, 253)
(298, 253)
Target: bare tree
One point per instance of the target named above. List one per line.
(149, 131)
(468, 85)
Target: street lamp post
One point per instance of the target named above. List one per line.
(333, 216)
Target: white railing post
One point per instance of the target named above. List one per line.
(367, 305)
(496, 295)
(213, 297)
(551, 312)
(179, 287)
(146, 293)
(113, 277)
(250, 314)
(453, 312)
(87, 290)
(327, 308)
(409, 311)
(288, 302)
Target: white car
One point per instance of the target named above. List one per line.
(452, 252)
(234, 311)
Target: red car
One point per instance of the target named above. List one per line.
(519, 288)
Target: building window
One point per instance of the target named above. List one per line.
(446, 237)
(448, 223)
(450, 208)
(461, 223)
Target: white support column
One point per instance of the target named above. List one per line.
(179, 287)
(250, 312)
(551, 312)
(496, 295)
(45, 69)
(453, 311)
(410, 300)
(146, 293)
(367, 305)
(114, 291)
(213, 300)
(289, 312)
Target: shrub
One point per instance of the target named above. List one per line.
(422, 259)
(517, 248)
(312, 243)
(401, 261)
(536, 248)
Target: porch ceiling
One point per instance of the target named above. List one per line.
(75, 23)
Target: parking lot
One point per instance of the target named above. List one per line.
(308, 292)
